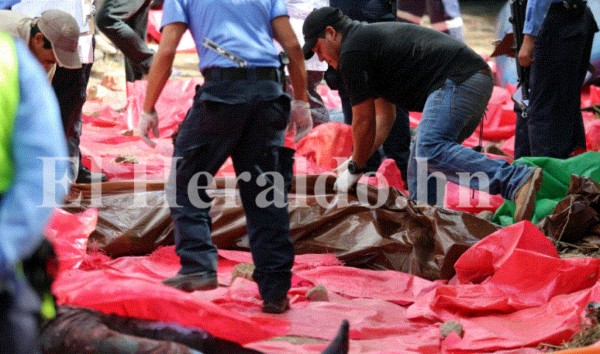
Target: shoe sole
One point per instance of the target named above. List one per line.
(275, 309)
(530, 197)
(188, 287)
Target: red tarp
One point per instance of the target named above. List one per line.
(511, 291)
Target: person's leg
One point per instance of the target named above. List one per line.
(452, 114)
(70, 87)
(267, 167)
(521, 135)
(203, 143)
(318, 111)
(397, 145)
(139, 65)
(555, 122)
(114, 20)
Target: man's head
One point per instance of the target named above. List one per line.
(54, 39)
(322, 34)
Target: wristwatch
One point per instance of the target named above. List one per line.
(353, 168)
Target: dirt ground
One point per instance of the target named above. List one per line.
(479, 18)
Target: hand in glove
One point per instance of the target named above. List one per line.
(149, 122)
(301, 118)
(342, 167)
(346, 181)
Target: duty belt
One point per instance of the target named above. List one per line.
(256, 73)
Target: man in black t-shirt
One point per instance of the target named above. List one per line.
(420, 69)
(397, 144)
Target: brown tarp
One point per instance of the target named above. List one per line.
(363, 229)
(577, 216)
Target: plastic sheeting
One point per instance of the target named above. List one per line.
(376, 228)
(557, 177)
(511, 291)
(578, 215)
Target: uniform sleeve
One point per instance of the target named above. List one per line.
(173, 12)
(536, 12)
(37, 135)
(278, 9)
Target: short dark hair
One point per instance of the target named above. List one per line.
(35, 30)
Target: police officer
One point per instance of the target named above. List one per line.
(557, 43)
(397, 145)
(240, 111)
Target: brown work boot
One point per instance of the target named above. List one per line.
(525, 196)
(193, 281)
(276, 306)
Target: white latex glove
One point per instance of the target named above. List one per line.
(301, 118)
(149, 122)
(343, 166)
(345, 181)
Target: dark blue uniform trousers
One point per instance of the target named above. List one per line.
(553, 126)
(252, 134)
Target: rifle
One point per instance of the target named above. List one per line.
(518, 10)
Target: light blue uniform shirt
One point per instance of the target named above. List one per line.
(37, 133)
(242, 27)
(536, 12)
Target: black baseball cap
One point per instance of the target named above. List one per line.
(315, 23)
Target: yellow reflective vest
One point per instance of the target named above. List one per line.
(9, 101)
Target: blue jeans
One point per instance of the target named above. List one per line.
(451, 114)
(252, 134)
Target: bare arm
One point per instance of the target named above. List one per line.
(372, 121)
(363, 131)
(284, 34)
(526, 51)
(385, 115)
(163, 63)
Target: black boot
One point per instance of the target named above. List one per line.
(86, 176)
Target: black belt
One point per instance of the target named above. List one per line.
(568, 5)
(259, 73)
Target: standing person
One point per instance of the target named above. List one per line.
(444, 15)
(69, 79)
(387, 64)
(298, 10)
(397, 144)
(240, 111)
(70, 86)
(557, 45)
(27, 138)
(52, 37)
(125, 23)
